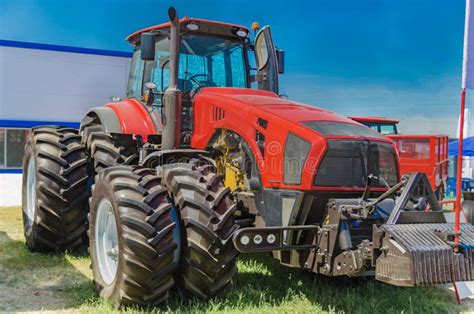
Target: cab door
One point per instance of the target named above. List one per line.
(267, 61)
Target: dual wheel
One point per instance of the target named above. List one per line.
(147, 232)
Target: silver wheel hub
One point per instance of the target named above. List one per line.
(31, 191)
(106, 241)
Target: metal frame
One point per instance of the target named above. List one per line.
(413, 182)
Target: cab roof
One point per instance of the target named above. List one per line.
(204, 25)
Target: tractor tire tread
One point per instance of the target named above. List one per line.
(147, 273)
(61, 196)
(207, 214)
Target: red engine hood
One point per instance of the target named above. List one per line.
(272, 104)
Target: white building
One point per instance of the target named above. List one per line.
(49, 85)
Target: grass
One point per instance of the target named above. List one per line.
(62, 282)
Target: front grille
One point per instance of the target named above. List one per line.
(348, 163)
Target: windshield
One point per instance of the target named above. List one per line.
(203, 62)
(331, 128)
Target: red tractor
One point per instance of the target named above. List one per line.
(168, 185)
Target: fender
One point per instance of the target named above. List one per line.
(133, 118)
(107, 117)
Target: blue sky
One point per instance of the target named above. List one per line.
(398, 59)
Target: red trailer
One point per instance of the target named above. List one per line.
(418, 153)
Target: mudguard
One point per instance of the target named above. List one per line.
(133, 117)
(127, 117)
(107, 117)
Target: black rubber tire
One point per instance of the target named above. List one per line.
(147, 231)
(468, 206)
(61, 174)
(208, 256)
(107, 149)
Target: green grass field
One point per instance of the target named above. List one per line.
(62, 282)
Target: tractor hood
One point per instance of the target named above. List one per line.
(265, 120)
(286, 112)
(271, 103)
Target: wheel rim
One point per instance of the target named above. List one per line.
(31, 191)
(106, 241)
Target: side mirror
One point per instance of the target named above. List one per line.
(281, 60)
(147, 45)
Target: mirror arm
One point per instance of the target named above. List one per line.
(162, 70)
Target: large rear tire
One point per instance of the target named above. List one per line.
(134, 237)
(208, 258)
(55, 193)
(107, 149)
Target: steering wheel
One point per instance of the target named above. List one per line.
(199, 83)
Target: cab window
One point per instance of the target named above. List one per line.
(204, 61)
(134, 87)
(388, 129)
(159, 69)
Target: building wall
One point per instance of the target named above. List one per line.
(40, 83)
(49, 85)
(10, 189)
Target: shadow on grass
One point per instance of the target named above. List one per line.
(32, 281)
(263, 283)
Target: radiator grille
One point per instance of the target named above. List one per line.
(348, 163)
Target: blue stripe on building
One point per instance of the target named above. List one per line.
(30, 124)
(89, 51)
(11, 171)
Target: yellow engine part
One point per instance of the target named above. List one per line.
(233, 178)
(227, 165)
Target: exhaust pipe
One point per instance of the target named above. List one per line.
(174, 47)
(172, 95)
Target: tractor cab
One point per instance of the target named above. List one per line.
(379, 124)
(186, 55)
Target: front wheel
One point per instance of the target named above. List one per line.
(208, 258)
(134, 237)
